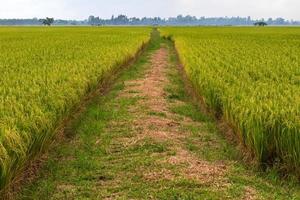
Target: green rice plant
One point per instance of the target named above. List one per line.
(45, 72)
(252, 77)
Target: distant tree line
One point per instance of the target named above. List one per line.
(187, 20)
(38, 22)
(172, 21)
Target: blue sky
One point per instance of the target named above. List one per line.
(81, 9)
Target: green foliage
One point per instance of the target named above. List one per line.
(251, 77)
(44, 74)
(48, 21)
(261, 23)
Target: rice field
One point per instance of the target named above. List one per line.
(251, 76)
(45, 72)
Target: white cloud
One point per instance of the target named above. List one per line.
(80, 9)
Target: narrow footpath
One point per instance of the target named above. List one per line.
(147, 139)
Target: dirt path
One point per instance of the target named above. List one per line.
(147, 140)
(154, 98)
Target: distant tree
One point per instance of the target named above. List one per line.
(48, 21)
(270, 21)
(280, 21)
(91, 20)
(121, 20)
(260, 23)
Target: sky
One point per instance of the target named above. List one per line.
(81, 9)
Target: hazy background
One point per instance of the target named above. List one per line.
(81, 9)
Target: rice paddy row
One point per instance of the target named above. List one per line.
(45, 72)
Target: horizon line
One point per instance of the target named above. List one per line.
(105, 18)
